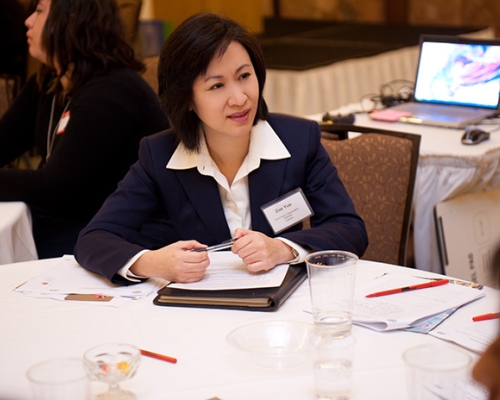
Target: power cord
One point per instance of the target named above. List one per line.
(392, 93)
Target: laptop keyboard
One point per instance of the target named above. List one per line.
(421, 110)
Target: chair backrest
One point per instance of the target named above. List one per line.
(9, 87)
(378, 171)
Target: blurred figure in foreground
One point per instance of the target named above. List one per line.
(487, 369)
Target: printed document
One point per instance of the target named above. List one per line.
(67, 277)
(226, 271)
(401, 310)
(475, 336)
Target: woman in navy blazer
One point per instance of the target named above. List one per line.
(210, 176)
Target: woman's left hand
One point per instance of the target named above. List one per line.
(260, 252)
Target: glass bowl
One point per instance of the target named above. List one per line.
(274, 344)
(112, 363)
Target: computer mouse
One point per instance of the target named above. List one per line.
(474, 135)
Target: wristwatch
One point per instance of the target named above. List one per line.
(295, 254)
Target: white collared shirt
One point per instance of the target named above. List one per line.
(264, 145)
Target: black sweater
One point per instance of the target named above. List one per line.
(108, 116)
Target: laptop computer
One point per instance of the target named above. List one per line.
(457, 82)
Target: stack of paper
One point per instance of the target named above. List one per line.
(402, 310)
(68, 281)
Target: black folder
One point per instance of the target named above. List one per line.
(259, 299)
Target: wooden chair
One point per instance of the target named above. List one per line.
(9, 87)
(378, 169)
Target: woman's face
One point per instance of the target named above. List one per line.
(35, 23)
(226, 97)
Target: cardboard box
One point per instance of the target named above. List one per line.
(468, 232)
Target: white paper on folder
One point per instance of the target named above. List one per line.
(404, 309)
(67, 276)
(226, 271)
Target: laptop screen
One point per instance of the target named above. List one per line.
(459, 71)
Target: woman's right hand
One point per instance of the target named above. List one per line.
(174, 262)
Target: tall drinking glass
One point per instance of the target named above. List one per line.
(331, 283)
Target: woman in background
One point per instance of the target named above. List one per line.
(224, 162)
(85, 112)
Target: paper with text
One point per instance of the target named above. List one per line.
(67, 276)
(227, 271)
(404, 309)
(475, 336)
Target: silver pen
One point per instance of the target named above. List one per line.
(221, 246)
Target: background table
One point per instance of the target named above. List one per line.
(37, 329)
(16, 238)
(446, 169)
(321, 69)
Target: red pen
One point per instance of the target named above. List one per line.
(407, 288)
(485, 317)
(158, 356)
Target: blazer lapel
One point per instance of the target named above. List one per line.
(203, 194)
(264, 183)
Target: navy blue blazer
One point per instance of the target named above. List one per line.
(191, 208)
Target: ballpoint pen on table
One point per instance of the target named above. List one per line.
(408, 288)
(221, 246)
(158, 356)
(485, 317)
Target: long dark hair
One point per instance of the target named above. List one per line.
(186, 55)
(84, 37)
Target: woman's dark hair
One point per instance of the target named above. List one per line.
(186, 55)
(85, 37)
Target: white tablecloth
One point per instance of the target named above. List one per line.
(37, 329)
(16, 238)
(446, 169)
(318, 90)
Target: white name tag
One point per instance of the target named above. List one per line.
(63, 122)
(287, 210)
